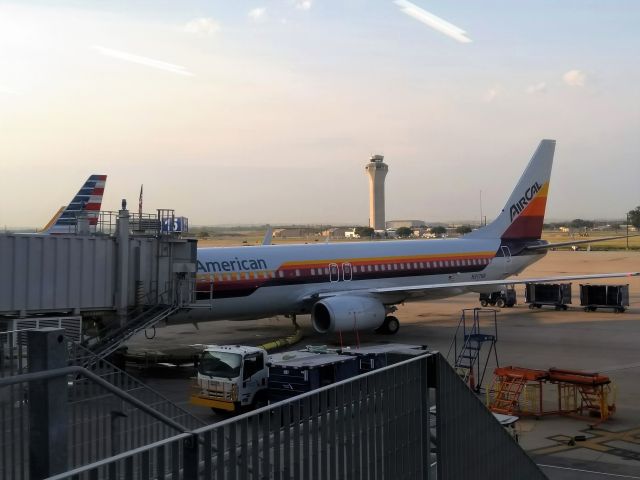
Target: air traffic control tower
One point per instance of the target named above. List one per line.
(377, 170)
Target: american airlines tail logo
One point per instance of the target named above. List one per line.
(517, 207)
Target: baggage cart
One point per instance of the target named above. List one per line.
(557, 295)
(593, 297)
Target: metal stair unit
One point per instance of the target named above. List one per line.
(467, 344)
(147, 319)
(507, 397)
(102, 425)
(81, 356)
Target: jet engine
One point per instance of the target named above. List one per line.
(347, 312)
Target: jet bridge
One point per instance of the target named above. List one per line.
(134, 269)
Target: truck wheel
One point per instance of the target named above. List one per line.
(500, 303)
(564, 307)
(260, 400)
(483, 303)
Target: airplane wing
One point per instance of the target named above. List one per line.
(485, 283)
(417, 289)
(546, 246)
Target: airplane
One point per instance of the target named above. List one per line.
(347, 286)
(88, 199)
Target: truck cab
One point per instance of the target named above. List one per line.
(231, 377)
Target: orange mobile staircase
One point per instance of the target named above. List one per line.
(594, 391)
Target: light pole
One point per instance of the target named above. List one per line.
(627, 230)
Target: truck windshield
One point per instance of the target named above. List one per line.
(220, 364)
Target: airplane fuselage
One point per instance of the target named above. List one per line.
(237, 283)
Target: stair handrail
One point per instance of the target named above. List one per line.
(159, 312)
(76, 370)
(454, 343)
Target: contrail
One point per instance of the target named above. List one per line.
(431, 20)
(149, 62)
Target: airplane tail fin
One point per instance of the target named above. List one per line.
(88, 199)
(523, 215)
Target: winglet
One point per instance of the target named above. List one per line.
(268, 235)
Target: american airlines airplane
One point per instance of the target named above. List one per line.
(346, 286)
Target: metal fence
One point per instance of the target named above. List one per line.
(375, 426)
(13, 416)
(100, 424)
(412, 420)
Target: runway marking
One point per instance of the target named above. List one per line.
(597, 440)
(617, 475)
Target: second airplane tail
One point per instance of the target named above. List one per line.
(523, 215)
(88, 199)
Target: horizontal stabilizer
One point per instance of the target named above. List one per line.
(547, 246)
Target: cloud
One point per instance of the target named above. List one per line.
(536, 88)
(303, 4)
(148, 62)
(491, 94)
(433, 21)
(575, 78)
(258, 14)
(202, 26)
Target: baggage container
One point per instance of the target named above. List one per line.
(289, 377)
(593, 297)
(552, 294)
(372, 357)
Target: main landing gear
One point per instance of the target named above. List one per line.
(390, 326)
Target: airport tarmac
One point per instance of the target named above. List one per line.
(600, 341)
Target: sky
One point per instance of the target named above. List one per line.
(267, 111)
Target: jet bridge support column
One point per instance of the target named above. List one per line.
(48, 408)
(122, 275)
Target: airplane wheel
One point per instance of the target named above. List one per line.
(500, 303)
(390, 326)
